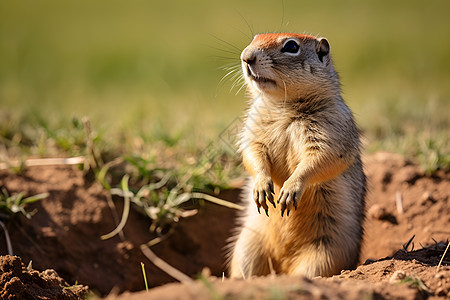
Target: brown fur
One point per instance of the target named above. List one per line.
(301, 146)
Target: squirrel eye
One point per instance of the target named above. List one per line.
(291, 46)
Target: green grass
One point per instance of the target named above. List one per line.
(417, 283)
(148, 76)
(15, 203)
(145, 276)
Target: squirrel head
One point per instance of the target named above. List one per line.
(289, 67)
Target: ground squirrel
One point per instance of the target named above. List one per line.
(302, 148)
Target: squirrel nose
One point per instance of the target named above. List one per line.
(248, 56)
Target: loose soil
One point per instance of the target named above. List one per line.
(64, 235)
(18, 282)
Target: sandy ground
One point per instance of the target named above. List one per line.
(64, 235)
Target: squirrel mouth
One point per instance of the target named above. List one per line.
(258, 78)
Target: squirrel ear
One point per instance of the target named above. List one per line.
(322, 48)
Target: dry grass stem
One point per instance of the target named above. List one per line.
(442, 258)
(78, 160)
(399, 202)
(7, 239)
(126, 210)
(178, 275)
(217, 201)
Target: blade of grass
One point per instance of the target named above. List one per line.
(178, 275)
(217, 200)
(442, 258)
(126, 209)
(145, 276)
(8, 240)
(35, 198)
(101, 177)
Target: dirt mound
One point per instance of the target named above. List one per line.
(404, 276)
(418, 269)
(403, 203)
(276, 287)
(18, 282)
(64, 234)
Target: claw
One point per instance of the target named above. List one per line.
(262, 200)
(282, 212)
(270, 198)
(287, 213)
(280, 197)
(271, 188)
(258, 210)
(267, 212)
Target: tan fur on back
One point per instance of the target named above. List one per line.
(301, 142)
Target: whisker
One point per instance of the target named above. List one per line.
(226, 75)
(238, 77)
(227, 43)
(242, 85)
(231, 66)
(243, 33)
(223, 57)
(235, 70)
(246, 22)
(237, 53)
(236, 80)
(236, 64)
(233, 74)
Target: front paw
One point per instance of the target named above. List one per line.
(262, 191)
(289, 194)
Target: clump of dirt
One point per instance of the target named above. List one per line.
(18, 282)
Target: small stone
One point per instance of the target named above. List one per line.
(377, 212)
(440, 292)
(398, 275)
(50, 273)
(427, 197)
(206, 272)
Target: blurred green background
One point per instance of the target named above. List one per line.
(153, 69)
